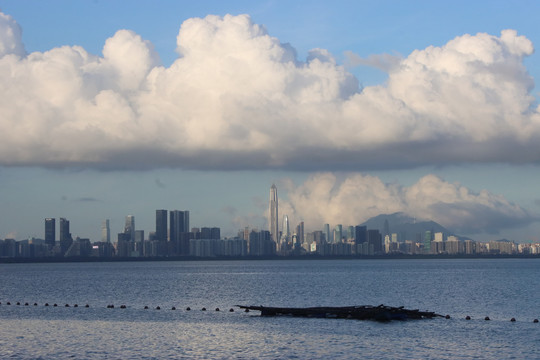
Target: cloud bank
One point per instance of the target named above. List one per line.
(237, 98)
(356, 198)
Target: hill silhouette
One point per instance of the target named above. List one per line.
(407, 227)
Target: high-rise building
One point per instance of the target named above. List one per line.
(350, 233)
(50, 231)
(161, 225)
(360, 234)
(428, 237)
(374, 239)
(179, 223)
(300, 233)
(338, 233)
(129, 227)
(65, 236)
(327, 233)
(105, 231)
(285, 230)
(273, 215)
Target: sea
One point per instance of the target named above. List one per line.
(188, 309)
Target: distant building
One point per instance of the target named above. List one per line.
(300, 233)
(179, 223)
(105, 232)
(273, 214)
(327, 233)
(428, 237)
(338, 233)
(65, 236)
(350, 233)
(374, 239)
(129, 227)
(50, 232)
(285, 230)
(260, 243)
(161, 225)
(360, 234)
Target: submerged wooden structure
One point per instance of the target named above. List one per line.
(361, 312)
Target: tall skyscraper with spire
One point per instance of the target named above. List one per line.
(285, 230)
(273, 215)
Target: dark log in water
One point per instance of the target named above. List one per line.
(361, 312)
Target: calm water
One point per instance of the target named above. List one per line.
(500, 289)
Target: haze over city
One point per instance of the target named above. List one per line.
(351, 109)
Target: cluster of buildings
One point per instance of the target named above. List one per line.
(173, 237)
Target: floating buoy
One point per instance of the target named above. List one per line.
(35, 304)
(75, 305)
(203, 309)
(188, 308)
(25, 304)
(173, 308)
(18, 303)
(447, 317)
(487, 318)
(8, 303)
(110, 306)
(158, 308)
(46, 304)
(122, 306)
(513, 319)
(535, 320)
(87, 305)
(217, 309)
(146, 307)
(231, 310)
(67, 305)
(55, 305)
(467, 317)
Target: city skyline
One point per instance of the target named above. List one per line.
(351, 109)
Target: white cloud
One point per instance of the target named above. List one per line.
(323, 198)
(11, 37)
(238, 98)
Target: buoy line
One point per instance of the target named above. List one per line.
(188, 308)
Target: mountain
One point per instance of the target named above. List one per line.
(407, 228)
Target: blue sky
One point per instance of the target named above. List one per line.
(433, 161)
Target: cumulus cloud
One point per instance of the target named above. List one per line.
(10, 37)
(323, 198)
(237, 98)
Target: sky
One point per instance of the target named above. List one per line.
(352, 108)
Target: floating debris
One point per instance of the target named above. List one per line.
(362, 312)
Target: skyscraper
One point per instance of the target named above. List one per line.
(285, 231)
(179, 223)
(273, 215)
(327, 234)
(50, 231)
(65, 236)
(161, 225)
(64, 230)
(300, 233)
(105, 231)
(338, 233)
(360, 234)
(129, 227)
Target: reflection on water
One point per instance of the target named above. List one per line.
(500, 289)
